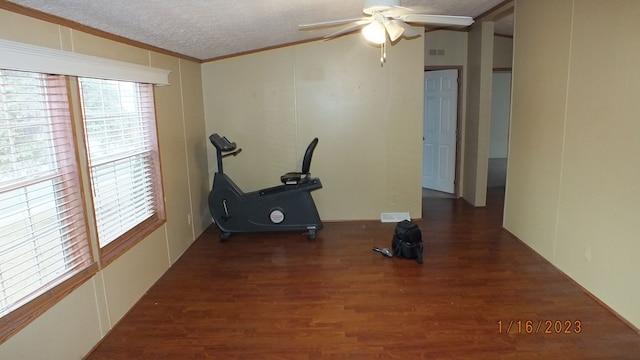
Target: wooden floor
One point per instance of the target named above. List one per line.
(480, 294)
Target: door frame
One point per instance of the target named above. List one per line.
(456, 178)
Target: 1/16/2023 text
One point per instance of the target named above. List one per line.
(546, 327)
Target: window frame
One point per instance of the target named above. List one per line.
(55, 290)
(114, 249)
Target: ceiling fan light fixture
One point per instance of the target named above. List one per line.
(375, 33)
(393, 29)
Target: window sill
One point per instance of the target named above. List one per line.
(121, 245)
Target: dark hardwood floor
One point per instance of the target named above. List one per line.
(480, 294)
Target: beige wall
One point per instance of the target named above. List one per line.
(478, 117)
(573, 175)
(502, 52)
(453, 45)
(94, 308)
(368, 119)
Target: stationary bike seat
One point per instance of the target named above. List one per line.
(292, 178)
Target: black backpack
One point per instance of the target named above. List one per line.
(407, 241)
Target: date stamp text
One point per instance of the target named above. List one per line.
(546, 327)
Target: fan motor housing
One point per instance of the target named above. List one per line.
(371, 6)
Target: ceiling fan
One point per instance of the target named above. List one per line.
(387, 17)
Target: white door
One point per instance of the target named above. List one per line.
(440, 126)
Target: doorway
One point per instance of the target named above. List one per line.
(499, 135)
(440, 137)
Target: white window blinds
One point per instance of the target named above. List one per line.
(120, 132)
(43, 240)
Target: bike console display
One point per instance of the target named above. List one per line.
(222, 143)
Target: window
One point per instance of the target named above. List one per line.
(120, 134)
(44, 248)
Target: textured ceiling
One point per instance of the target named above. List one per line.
(209, 29)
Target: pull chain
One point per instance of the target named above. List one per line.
(383, 54)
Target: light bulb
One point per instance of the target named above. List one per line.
(375, 33)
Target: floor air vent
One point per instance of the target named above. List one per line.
(394, 217)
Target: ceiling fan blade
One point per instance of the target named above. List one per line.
(397, 11)
(443, 20)
(409, 31)
(394, 29)
(328, 23)
(358, 25)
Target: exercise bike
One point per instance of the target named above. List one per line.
(286, 207)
